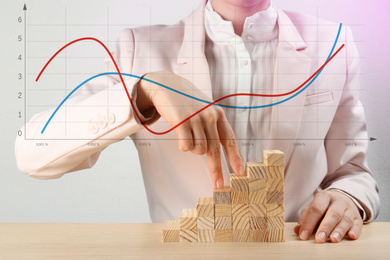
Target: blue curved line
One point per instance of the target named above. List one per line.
(195, 98)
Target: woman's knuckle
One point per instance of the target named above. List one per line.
(338, 215)
(215, 152)
(316, 210)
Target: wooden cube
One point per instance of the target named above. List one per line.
(275, 184)
(189, 235)
(275, 172)
(205, 223)
(241, 223)
(275, 210)
(206, 235)
(275, 197)
(171, 231)
(222, 195)
(240, 197)
(257, 235)
(188, 219)
(223, 210)
(258, 197)
(256, 170)
(241, 235)
(205, 207)
(257, 210)
(239, 183)
(240, 210)
(257, 184)
(275, 222)
(258, 223)
(223, 223)
(224, 235)
(273, 158)
(276, 235)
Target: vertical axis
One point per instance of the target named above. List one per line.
(318, 62)
(25, 68)
(108, 44)
(65, 70)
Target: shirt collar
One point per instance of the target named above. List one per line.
(261, 26)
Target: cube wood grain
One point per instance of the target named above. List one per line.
(224, 235)
(188, 219)
(275, 172)
(239, 183)
(240, 197)
(258, 235)
(275, 222)
(223, 223)
(275, 184)
(256, 170)
(257, 210)
(275, 210)
(241, 235)
(257, 184)
(258, 223)
(223, 210)
(206, 235)
(276, 235)
(205, 207)
(171, 231)
(275, 197)
(240, 210)
(205, 223)
(222, 195)
(241, 223)
(189, 235)
(258, 197)
(273, 158)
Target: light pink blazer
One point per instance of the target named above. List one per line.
(325, 117)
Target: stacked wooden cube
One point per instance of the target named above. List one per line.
(251, 209)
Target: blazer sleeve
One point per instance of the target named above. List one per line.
(97, 115)
(347, 143)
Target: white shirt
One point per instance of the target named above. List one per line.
(243, 65)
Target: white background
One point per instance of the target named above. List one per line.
(113, 191)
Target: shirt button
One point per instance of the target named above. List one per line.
(93, 127)
(244, 63)
(250, 25)
(102, 123)
(243, 108)
(249, 38)
(111, 118)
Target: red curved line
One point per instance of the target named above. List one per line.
(197, 112)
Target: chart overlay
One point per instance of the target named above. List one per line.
(293, 93)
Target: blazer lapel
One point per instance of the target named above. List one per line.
(292, 69)
(192, 63)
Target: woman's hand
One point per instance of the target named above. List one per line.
(203, 133)
(334, 213)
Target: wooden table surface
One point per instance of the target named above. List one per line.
(143, 241)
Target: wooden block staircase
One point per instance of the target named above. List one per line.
(251, 209)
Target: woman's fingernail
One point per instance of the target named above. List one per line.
(322, 236)
(304, 235)
(242, 172)
(219, 183)
(337, 236)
